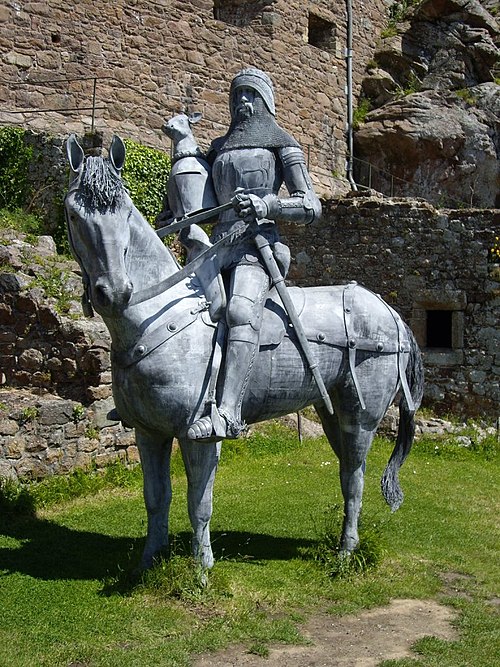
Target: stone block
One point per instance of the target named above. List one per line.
(31, 360)
(55, 411)
(98, 393)
(18, 59)
(74, 429)
(14, 447)
(35, 444)
(8, 426)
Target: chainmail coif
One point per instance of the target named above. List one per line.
(260, 130)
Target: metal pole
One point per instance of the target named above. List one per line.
(93, 105)
(349, 97)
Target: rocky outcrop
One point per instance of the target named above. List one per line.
(55, 377)
(435, 128)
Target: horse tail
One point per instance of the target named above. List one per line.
(391, 489)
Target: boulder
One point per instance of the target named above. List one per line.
(444, 145)
(434, 128)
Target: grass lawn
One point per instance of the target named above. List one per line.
(67, 597)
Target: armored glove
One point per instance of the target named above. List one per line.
(250, 208)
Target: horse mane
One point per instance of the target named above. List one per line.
(100, 187)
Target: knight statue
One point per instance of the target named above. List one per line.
(247, 167)
(249, 164)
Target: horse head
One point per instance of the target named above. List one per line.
(97, 208)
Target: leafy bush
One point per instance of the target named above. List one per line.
(361, 112)
(494, 253)
(146, 174)
(15, 498)
(54, 282)
(467, 96)
(19, 220)
(15, 158)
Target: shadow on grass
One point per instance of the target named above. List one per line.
(46, 550)
(49, 551)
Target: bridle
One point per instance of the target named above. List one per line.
(86, 301)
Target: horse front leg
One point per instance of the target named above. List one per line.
(155, 454)
(200, 461)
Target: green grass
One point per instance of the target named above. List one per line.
(68, 592)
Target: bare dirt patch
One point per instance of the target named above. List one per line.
(361, 640)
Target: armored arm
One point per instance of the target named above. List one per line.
(303, 205)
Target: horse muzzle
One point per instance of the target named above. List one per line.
(110, 297)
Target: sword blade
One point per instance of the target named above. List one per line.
(164, 285)
(192, 219)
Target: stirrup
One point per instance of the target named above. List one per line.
(233, 428)
(217, 427)
(222, 427)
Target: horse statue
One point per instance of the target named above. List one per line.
(164, 345)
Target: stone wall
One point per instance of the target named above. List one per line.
(44, 434)
(55, 375)
(436, 268)
(125, 66)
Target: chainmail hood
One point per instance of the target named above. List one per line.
(260, 130)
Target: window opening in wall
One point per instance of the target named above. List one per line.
(321, 33)
(239, 12)
(439, 328)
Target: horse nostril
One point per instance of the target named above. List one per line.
(101, 293)
(129, 288)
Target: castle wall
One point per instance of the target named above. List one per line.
(151, 59)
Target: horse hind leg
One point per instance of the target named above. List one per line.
(351, 445)
(201, 464)
(155, 460)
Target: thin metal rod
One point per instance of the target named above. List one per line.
(93, 106)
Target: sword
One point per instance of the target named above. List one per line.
(270, 262)
(193, 218)
(164, 285)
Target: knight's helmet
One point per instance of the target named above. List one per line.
(254, 78)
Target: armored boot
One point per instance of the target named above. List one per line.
(225, 420)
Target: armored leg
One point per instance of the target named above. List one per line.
(249, 287)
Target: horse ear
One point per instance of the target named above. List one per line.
(117, 153)
(76, 156)
(195, 117)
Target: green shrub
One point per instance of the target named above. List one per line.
(29, 414)
(53, 280)
(146, 174)
(360, 113)
(15, 498)
(20, 221)
(467, 96)
(15, 158)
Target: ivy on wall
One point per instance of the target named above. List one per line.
(15, 157)
(146, 175)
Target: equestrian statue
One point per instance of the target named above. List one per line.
(200, 351)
